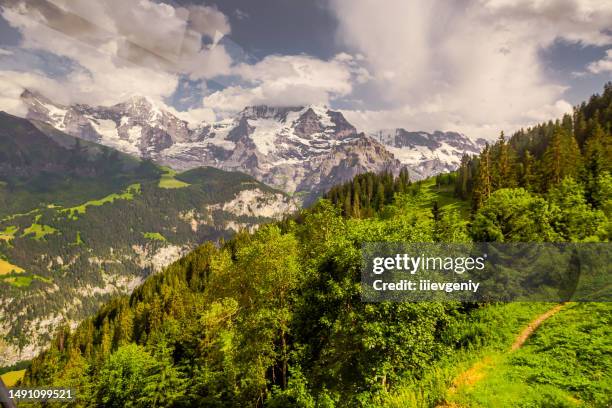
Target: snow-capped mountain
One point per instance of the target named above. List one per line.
(428, 153)
(297, 149)
(137, 126)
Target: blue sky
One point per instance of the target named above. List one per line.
(475, 66)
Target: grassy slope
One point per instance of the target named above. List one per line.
(445, 196)
(6, 268)
(11, 378)
(8, 233)
(482, 334)
(156, 236)
(485, 337)
(127, 194)
(168, 180)
(566, 363)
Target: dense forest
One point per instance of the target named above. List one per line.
(69, 242)
(275, 318)
(368, 193)
(80, 223)
(577, 147)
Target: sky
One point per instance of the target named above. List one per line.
(473, 66)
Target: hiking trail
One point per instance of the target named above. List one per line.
(477, 371)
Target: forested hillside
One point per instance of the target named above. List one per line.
(275, 318)
(39, 164)
(576, 147)
(80, 223)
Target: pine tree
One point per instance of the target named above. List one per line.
(580, 126)
(553, 160)
(347, 205)
(356, 212)
(561, 158)
(379, 200)
(528, 175)
(595, 165)
(436, 212)
(484, 185)
(463, 175)
(504, 164)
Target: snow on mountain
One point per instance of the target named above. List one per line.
(425, 153)
(297, 149)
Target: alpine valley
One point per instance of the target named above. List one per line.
(303, 150)
(276, 318)
(81, 222)
(91, 202)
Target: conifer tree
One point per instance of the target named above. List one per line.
(463, 175)
(347, 205)
(484, 185)
(356, 211)
(528, 175)
(595, 165)
(561, 158)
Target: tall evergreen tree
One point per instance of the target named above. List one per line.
(528, 172)
(484, 179)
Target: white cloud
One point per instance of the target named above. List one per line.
(289, 81)
(9, 97)
(121, 48)
(143, 32)
(603, 65)
(471, 65)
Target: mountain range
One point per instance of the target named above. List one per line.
(303, 150)
(81, 222)
(67, 172)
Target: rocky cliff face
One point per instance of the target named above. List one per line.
(297, 149)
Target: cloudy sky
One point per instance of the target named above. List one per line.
(475, 66)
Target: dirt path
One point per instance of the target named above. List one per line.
(531, 327)
(476, 372)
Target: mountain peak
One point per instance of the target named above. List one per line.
(140, 100)
(295, 148)
(267, 112)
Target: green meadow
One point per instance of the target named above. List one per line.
(127, 194)
(155, 236)
(168, 179)
(8, 233)
(38, 230)
(565, 363)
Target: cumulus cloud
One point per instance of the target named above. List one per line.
(469, 65)
(472, 65)
(145, 32)
(120, 48)
(289, 81)
(603, 65)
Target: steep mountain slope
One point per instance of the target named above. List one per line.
(297, 149)
(80, 222)
(37, 162)
(425, 153)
